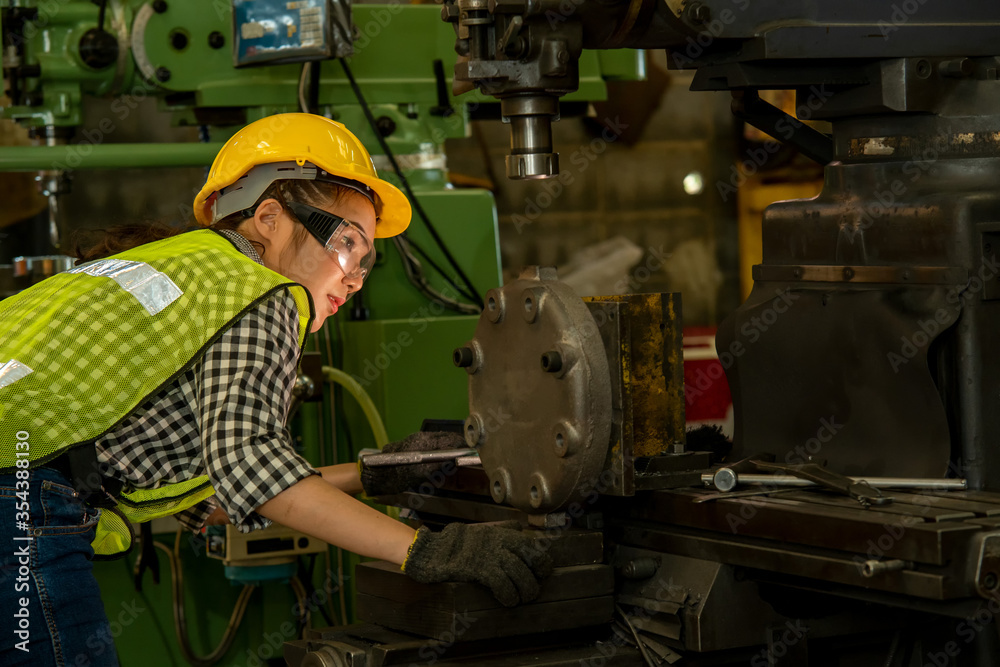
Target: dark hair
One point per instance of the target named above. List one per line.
(113, 240)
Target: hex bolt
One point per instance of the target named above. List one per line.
(552, 362)
(162, 74)
(160, 6)
(216, 40)
(463, 356)
(701, 14)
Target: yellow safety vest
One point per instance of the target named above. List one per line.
(80, 351)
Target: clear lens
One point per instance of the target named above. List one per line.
(354, 251)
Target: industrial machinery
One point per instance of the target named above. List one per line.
(862, 352)
(201, 66)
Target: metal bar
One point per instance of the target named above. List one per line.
(106, 156)
(460, 456)
(788, 559)
(768, 118)
(877, 482)
(913, 275)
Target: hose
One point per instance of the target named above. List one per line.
(335, 375)
(180, 622)
(305, 616)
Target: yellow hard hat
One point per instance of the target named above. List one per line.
(303, 139)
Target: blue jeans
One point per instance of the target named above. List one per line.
(50, 604)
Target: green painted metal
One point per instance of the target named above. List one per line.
(405, 366)
(466, 220)
(392, 66)
(106, 156)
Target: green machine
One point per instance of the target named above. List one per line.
(393, 347)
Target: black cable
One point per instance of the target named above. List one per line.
(420, 251)
(100, 15)
(406, 184)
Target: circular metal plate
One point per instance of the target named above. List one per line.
(539, 393)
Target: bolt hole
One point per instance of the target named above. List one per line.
(496, 488)
(534, 493)
(560, 441)
(529, 304)
(178, 40)
(491, 303)
(923, 69)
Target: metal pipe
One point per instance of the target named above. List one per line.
(106, 156)
(877, 482)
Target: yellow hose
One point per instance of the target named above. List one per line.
(331, 374)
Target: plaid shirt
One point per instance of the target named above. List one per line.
(224, 417)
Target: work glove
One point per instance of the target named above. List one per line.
(390, 480)
(495, 555)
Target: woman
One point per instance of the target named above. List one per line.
(158, 381)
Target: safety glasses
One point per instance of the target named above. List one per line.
(341, 237)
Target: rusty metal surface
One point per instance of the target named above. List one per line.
(642, 336)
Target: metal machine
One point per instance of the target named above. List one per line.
(863, 347)
(863, 351)
(179, 54)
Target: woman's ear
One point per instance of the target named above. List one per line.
(265, 218)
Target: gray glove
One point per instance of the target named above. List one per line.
(497, 556)
(390, 480)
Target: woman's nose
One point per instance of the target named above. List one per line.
(353, 283)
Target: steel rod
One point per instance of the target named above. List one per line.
(877, 482)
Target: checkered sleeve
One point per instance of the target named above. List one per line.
(194, 517)
(245, 387)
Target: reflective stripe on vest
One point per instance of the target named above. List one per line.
(99, 341)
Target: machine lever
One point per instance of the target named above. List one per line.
(858, 489)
